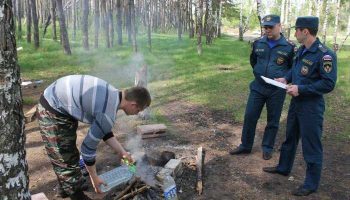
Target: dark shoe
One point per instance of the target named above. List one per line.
(267, 155)
(60, 192)
(274, 170)
(302, 191)
(239, 150)
(79, 195)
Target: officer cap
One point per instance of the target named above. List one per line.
(307, 22)
(270, 20)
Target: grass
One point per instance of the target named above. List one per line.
(176, 72)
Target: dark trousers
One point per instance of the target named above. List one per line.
(260, 95)
(59, 134)
(305, 124)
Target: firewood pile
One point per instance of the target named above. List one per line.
(136, 189)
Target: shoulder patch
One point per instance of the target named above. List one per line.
(322, 48)
(327, 58)
(291, 42)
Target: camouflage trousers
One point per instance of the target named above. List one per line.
(59, 134)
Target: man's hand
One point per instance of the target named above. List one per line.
(293, 90)
(97, 182)
(127, 156)
(282, 80)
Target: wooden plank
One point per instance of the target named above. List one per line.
(151, 129)
(31, 114)
(200, 163)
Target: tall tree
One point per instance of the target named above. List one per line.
(241, 21)
(63, 29)
(179, 19)
(218, 25)
(119, 22)
(190, 18)
(84, 25)
(199, 26)
(149, 27)
(19, 19)
(97, 21)
(335, 45)
(53, 14)
(325, 22)
(133, 24)
(74, 9)
(110, 21)
(29, 21)
(258, 9)
(14, 179)
(35, 23)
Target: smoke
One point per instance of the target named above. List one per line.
(143, 169)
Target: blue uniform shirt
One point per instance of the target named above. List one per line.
(271, 62)
(314, 71)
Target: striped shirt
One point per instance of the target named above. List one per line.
(87, 99)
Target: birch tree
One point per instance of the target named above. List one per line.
(335, 45)
(14, 179)
(199, 26)
(53, 15)
(258, 8)
(119, 22)
(241, 21)
(325, 23)
(35, 23)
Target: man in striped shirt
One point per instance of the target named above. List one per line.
(90, 100)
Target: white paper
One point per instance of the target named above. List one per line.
(273, 82)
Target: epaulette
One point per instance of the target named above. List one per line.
(291, 42)
(254, 40)
(322, 48)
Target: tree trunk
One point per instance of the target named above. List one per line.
(35, 23)
(258, 8)
(19, 19)
(128, 21)
(119, 23)
(14, 180)
(199, 25)
(105, 22)
(74, 9)
(97, 22)
(218, 28)
(179, 20)
(325, 23)
(133, 24)
(149, 26)
(63, 30)
(110, 22)
(53, 14)
(205, 29)
(241, 21)
(335, 45)
(29, 22)
(84, 24)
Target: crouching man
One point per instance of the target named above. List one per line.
(89, 100)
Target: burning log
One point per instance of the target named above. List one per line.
(135, 192)
(132, 183)
(200, 163)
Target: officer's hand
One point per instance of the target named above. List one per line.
(292, 90)
(128, 157)
(282, 80)
(96, 183)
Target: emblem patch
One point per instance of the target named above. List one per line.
(304, 70)
(327, 66)
(280, 60)
(268, 18)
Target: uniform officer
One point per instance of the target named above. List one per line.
(313, 74)
(272, 57)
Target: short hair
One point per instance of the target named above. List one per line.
(312, 31)
(138, 94)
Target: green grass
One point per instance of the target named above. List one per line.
(176, 72)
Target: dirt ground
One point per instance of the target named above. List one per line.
(225, 176)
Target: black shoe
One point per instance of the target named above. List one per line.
(300, 191)
(274, 170)
(239, 150)
(79, 195)
(267, 155)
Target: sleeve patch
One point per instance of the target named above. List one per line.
(327, 66)
(327, 58)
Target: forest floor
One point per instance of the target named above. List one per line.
(225, 176)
